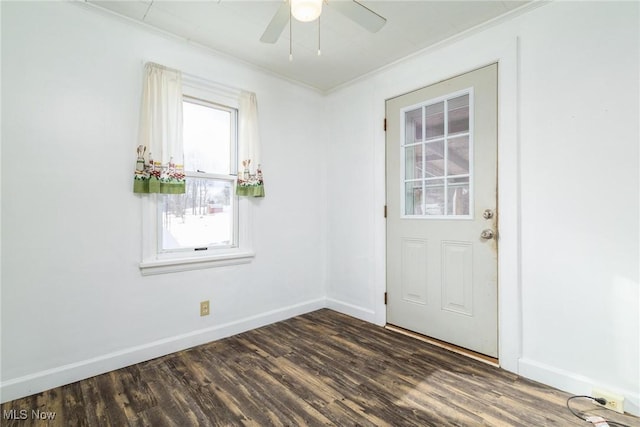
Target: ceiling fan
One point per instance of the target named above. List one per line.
(309, 10)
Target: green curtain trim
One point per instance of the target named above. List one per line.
(250, 190)
(153, 185)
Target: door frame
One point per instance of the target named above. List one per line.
(442, 64)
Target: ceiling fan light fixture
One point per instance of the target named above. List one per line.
(306, 10)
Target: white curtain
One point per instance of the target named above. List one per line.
(159, 166)
(250, 179)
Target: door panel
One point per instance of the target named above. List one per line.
(441, 176)
(414, 271)
(457, 277)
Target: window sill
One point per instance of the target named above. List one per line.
(173, 265)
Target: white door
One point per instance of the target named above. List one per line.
(441, 154)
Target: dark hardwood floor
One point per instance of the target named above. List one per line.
(322, 368)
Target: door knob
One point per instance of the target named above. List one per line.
(487, 234)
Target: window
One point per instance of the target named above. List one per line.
(207, 225)
(204, 218)
(437, 147)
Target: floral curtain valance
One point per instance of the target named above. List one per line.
(159, 164)
(250, 179)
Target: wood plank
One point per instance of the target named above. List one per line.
(322, 368)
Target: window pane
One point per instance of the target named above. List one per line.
(458, 196)
(413, 198)
(434, 159)
(206, 138)
(459, 114)
(202, 217)
(435, 120)
(434, 198)
(458, 156)
(413, 162)
(413, 126)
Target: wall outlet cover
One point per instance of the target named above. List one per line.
(204, 308)
(615, 402)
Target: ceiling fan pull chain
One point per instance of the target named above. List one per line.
(290, 34)
(319, 51)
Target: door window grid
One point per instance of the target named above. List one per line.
(437, 172)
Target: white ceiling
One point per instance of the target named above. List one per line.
(234, 27)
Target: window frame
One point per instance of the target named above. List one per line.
(197, 174)
(158, 261)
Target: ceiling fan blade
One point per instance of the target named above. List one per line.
(360, 14)
(277, 24)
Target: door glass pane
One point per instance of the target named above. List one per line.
(435, 120)
(458, 109)
(434, 197)
(434, 159)
(458, 156)
(413, 126)
(413, 198)
(413, 162)
(458, 196)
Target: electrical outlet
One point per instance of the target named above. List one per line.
(204, 308)
(615, 402)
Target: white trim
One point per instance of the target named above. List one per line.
(55, 377)
(352, 310)
(195, 83)
(509, 208)
(174, 265)
(575, 383)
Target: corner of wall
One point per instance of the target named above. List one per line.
(352, 310)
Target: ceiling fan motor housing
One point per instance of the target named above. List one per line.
(306, 10)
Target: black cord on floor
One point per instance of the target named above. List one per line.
(582, 417)
(593, 399)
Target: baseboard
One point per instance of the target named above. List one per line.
(574, 383)
(351, 310)
(44, 380)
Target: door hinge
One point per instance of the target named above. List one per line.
(385, 124)
(385, 211)
(385, 298)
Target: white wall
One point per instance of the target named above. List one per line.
(74, 303)
(569, 190)
(580, 202)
